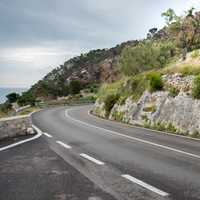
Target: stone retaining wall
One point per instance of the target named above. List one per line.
(15, 126)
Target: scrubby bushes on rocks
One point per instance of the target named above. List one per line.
(145, 56)
(195, 54)
(173, 92)
(196, 88)
(155, 81)
(109, 101)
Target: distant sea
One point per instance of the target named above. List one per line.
(6, 91)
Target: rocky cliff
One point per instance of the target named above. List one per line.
(160, 110)
(94, 67)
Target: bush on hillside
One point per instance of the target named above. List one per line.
(196, 88)
(5, 108)
(137, 59)
(195, 54)
(145, 56)
(12, 97)
(166, 51)
(112, 88)
(136, 86)
(155, 81)
(27, 98)
(75, 87)
(109, 101)
(173, 92)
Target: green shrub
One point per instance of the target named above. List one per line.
(159, 126)
(12, 97)
(6, 107)
(147, 125)
(195, 54)
(75, 87)
(109, 101)
(145, 56)
(118, 116)
(137, 59)
(151, 109)
(195, 134)
(173, 92)
(90, 98)
(136, 86)
(27, 98)
(125, 87)
(155, 81)
(145, 118)
(171, 128)
(122, 100)
(112, 88)
(190, 70)
(196, 88)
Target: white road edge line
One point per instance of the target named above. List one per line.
(39, 133)
(64, 145)
(130, 137)
(48, 135)
(98, 162)
(143, 128)
(145, 185)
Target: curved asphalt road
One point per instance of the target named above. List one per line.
(131, 163)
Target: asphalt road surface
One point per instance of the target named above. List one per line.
(33, 171)
(124, 161)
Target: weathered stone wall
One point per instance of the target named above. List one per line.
(16, 126)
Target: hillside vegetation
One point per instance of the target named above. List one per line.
(160, 79)
(173, 49)
(129, 69)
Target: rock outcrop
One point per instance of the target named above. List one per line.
(182, 84)
(95, 67)
(160, 110)
(15, 126)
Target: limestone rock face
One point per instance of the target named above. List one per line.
(95, 67)
(99, 109)
(181, 112)
(108, 70)
(183, 84)
(123, 112)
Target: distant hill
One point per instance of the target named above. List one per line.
(94, 67)
(159, 48)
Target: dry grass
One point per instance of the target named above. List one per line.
(29, 110)
(190, 66)
(2, 114)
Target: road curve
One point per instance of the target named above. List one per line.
(127, 162)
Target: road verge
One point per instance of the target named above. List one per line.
(18, 126)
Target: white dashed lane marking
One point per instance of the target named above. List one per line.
(48, 135)
(145, 185)
(64, 145)
(98, 162)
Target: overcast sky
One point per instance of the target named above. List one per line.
(39, 35)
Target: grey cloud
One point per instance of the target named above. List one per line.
(70, 27)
